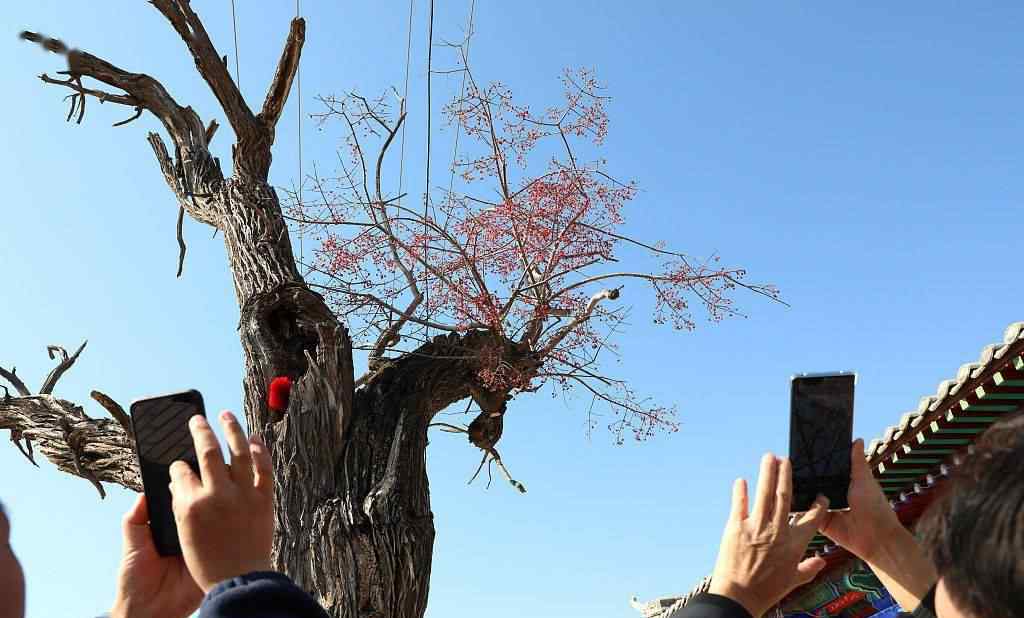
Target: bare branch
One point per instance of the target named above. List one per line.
(181, 239)
(610, 294)
(448, 428)
(389, 334)
(203, 209)
(210, 130)
(62, 366)
(74, 441)
(65, 435)
(76, 85)
(287, 66)
(195, 167)
(26, 450)
(191, 30)
(115, 410)
(12, 377)
(497, 459)
(138, 113)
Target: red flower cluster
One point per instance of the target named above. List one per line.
(526, 244)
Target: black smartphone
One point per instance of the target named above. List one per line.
(160, 425)
(820, 438)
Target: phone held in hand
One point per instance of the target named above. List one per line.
(160, 426)
(820, 438)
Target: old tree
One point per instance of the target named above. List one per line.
(514, 272)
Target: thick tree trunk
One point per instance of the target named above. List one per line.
(354, 525)
(367, 548)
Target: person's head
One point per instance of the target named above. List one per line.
(12, 580)
(976, 531)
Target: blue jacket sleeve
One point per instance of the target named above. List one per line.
(261, 594)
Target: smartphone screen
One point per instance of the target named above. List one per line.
(820, 437)
(160, 425)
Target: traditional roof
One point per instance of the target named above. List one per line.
(915, 455)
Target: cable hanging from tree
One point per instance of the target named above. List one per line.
(405, 96)
(234, 28)
(462, 93)
(426, 191)
(298, 103)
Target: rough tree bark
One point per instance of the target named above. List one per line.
(354, 525)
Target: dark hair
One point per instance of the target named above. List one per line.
(975, 532)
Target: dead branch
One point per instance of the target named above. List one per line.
(449, 428)
(491, 455)
(210, 130)
(208, 62)
(287, 66)
(74, 441)
(12, 377)
(138, 112)
(115, 410)
(181, 239)
(497, 459)
(96, 449)
(16, 438)
(203, 210)
(143, 92)
(64, 364)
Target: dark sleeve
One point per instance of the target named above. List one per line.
(927, 607)
(925, 610)
(707, 605)
(261, 594)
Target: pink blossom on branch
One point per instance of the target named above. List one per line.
(527, 245)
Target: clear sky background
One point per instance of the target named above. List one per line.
(866, 159)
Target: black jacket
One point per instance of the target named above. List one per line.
(262, 594)
(709, 605)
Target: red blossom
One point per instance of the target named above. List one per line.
(529, 244)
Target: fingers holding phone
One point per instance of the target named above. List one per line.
(870, 521)
(225, 518)
(760, 557)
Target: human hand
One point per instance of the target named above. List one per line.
(872, 531)
(759, 560)
(149, 584)
(870, 523)
(226, 519)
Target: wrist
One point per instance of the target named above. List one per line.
(892, 544)
(904, 567)
(739, 593)
(242, 571)
(120, 609)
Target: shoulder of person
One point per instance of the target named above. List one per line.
(264, 593)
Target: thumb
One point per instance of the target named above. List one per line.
(135, 528)
(808, 569)
(808, 524)
(859, 468)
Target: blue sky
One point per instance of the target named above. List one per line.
(864, 159)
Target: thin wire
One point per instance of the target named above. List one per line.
(462, 92)
(234, 27)
(426, 193)
(298, 101)
(405, 95)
